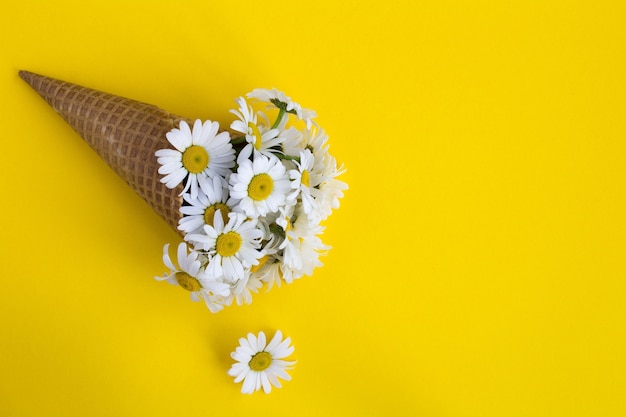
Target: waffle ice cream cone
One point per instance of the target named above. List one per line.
(124, 132)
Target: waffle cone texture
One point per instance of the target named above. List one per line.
(124, 132)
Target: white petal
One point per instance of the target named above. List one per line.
(166, 257)
(273, 380)
(278, 337)
(249, 383)
(260, 345)
(267, 387)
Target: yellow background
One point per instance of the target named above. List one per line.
(478, 257)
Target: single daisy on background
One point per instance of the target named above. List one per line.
(260, 365)
(192, 278)
(259, 187)
(232, 247)
(198, 155)
(201, 211)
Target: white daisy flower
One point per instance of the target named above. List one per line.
(198, 154)
(330, 190)
(267, 270)
(233, 247)
(280, 100)
(259, 187)
(285, 214)
(305, 181)
(301, 248)
(244, 288)
(271, 274)
(259, 365)
(270, 271)
(293, 141)
(201, 210)
(260, 137)
(191, 277)
(258, 225)
(316, 140)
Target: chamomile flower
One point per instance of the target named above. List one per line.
(305, 180)
(199, 154)
(232, 247)
(191, 276)
(316, 140)
(267, 269)
(251, 207)
(271, 274)
(280, 100)
(330, 190)
(260, 365)
(259, 187)
(293, 141)
(302, 247)
(260, 138)
(244, 288)
(200, 211)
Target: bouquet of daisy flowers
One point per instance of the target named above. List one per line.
(253, 203)
(248, 204)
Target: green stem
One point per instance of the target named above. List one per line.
(277, 230)
(238, 140)
(281, 113)
(288, 157)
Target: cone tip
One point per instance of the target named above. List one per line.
(27, 76)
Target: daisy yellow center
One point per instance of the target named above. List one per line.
(187, 281)
(209, 213)
(260, 187)
(195, 159)
(258, 140)
(305, 178)
(262, 261)
(260, 362)
(228, 244)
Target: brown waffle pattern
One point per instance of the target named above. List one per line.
(125, 133)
